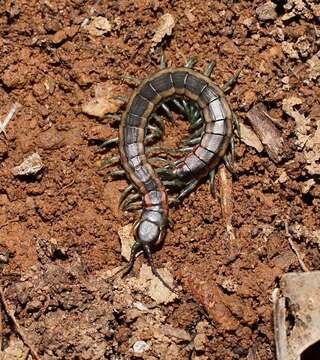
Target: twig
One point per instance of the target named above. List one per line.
(294, 248)
(7, 119)
(17, 326)
(227, 204)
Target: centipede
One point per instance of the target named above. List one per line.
(212, 122)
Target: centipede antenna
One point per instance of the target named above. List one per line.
(147, 251)
(125, 270)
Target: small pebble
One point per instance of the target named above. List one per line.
(138, 305)
(140, 347)
(266, 11)
(200, 341)
(30, 166)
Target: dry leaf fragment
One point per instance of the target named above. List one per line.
(302, 124)
(314, 64)
(165, 28)
(250, 138)
(156, 289)
(308, 143)
(267, 132)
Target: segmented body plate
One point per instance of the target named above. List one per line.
(204, 157)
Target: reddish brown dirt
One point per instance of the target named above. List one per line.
(58, 230)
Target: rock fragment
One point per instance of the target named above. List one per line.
(156, 289)
(104, 101)
(266, 11)
(180, 334)
(30, 166)
(127, 240)
(99, 26)
(140, 347)
(166, 25)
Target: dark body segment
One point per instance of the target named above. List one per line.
(204, 157)
(149, 93)
(141, 106)
(195, 85)
(162, 83)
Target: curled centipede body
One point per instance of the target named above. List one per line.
(211, 145)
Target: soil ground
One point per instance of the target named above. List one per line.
(59, 229)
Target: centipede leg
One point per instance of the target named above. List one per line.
(212, 183)
(232, 150)
(197, 123)
(194, 141)
(109, 162)
(174, 184)
(186, 191)
(167, 111)
(179, 105)
(160, 149)
(129, 200)
(125, 193)
(134, 79)
(158, 121)
(236, 124)
(163, 63)
(191, 62)
(114, 117)
(165, 174)
(186, 107)
(229, 164)
(210, 68)
(230, 83)
(196, 133)
(138, 205)
(121, 98)
(155, 131)
(112, 141)
(155, 159)
(115, 174)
